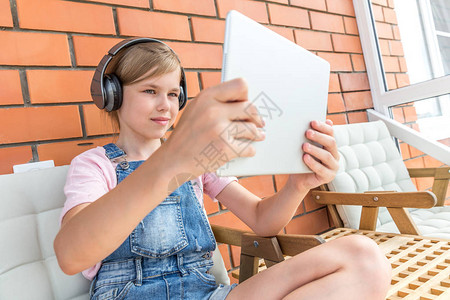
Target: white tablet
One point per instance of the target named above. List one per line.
(288, 85)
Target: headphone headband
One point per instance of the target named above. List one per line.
(104, 87)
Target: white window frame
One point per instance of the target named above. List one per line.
(383, 98)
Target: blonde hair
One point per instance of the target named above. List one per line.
(132, 63)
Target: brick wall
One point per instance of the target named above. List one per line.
(49, 49)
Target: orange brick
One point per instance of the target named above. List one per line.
(424, 184)
(327, 22)
(228, 219)
(391, 64)
(235, 255)
(310, 204)
(354, 82)
(378, 13)
(343, 7)
(389, 15)
(357, 117)
(261, 186)
(431, 162)
(402, 80)
(410, 114)
(280, 181)
(209, 79)
(384, 47)
(358, 62)
(210, 205)
(283, 31)
(133, 3)
(396, 48)
(313, 4)
(55, 86)
(197, 7)
(90, 50)
(10, 89)
(62, 153)
(404, 150)
(415, 152)
(208, 30)
(33, 48)
(203, 56)
(193, 87)
(279, 1)
(338, 119)
(380, 2)
(391, 81)
(414, 163)
(334, 85)
(396, 32)
(311, 223)
(338, 61)
(403, 66)
(358, 100)
(14, 156)
(253, 9)
(313, 40)
(350, 25)
(223, 248)
(397, 113)
(289, 16)
(133, 22)
(384, 30)
(96, 121)
(26, 124)
(5, 14)
(65, 16)
(335, 103)
(346, 43)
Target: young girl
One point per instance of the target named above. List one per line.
(133, 221)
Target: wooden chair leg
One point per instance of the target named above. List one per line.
(403, 220)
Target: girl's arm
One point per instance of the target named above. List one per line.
(268, 216)
(90, 232)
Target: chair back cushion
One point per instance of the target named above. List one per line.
(369, 161)
(30, 206)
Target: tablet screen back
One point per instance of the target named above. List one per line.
(287, 84)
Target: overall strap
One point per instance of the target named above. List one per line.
(113, 152)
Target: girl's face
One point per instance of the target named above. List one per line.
(150, 106)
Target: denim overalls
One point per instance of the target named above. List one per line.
(167, 256)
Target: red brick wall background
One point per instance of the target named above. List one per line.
(49, 49)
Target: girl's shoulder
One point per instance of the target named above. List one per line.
(92, 161)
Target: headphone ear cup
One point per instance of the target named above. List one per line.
(181, 98)
(112, 92)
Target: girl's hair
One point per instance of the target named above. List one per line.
(132, 63)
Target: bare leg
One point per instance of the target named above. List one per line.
(350, 267)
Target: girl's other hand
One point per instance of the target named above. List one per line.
(324, 162)
(209, 133)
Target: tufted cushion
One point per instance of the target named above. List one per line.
(370, 161)
(30, 206)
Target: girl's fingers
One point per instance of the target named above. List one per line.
(322, 155)
(327, 141)
(245, 111)
(324, 173)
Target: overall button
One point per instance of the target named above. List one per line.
(124, 165)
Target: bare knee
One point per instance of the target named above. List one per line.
(364, 260)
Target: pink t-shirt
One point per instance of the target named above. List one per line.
(92, 174)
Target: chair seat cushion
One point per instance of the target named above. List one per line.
(432, 222)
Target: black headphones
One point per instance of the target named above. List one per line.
(106, 89)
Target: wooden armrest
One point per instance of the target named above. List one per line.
(374, 199)
(438, 173)
(228, 235)
(441, 177)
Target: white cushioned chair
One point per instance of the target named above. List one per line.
(30, 205)
(370, 162)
